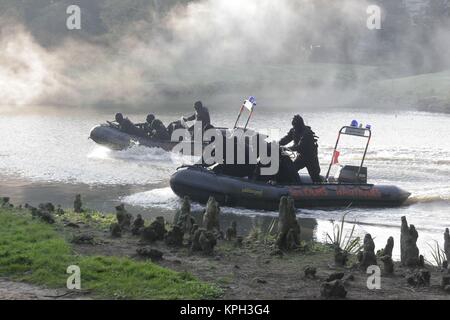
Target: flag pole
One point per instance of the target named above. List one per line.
(239, 117)
(248, 120)
(249, 104)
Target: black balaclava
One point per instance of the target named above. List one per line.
(119, 117)
(150, 118)
(198, 105)
(298, 123)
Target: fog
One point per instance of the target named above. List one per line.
(287, 53)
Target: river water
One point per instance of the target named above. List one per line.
(50, 158)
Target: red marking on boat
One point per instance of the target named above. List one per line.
(345, 191)
(301, 192)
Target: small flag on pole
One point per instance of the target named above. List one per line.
(336, 156)
(250, 103)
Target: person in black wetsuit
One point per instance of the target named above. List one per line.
(147, 126)
(154, 128)
(305, 144)
(201, 114)
(126, 126)
(159, 130)
(287, 173)
(233, 145)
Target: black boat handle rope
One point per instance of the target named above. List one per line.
(190, 166)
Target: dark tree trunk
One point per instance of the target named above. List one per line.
(288, 228)
(408, 245)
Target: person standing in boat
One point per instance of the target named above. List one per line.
(305, 144)
(126, 126)
(201, 115)
(154, 128)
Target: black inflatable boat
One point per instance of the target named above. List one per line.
(199, 184)
(349, 188)
(110, 136)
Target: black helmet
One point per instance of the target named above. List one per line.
(119, 117)
(198, 105)
(298, 122)
(150, 118)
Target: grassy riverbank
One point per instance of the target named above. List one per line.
(35, 252)
(38, 253)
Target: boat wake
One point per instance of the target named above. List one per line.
(140, 154)
(143, 154)
(162, 198)
(428, 198)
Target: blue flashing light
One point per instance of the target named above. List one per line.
(368, 127)
(354, 124)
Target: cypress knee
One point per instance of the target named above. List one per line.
(408, 245)
(288, 228)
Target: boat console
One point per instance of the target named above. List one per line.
(347, 173)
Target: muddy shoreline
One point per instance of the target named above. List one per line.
(252, 270)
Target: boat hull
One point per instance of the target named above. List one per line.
(199, 184)
(115, 139)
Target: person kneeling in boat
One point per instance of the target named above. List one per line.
(287, 174)
(126, 126)
(305, 144)
(201, 115)
(155, 129)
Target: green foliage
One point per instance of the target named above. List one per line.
(122, 278)
(31, 250)
(313, 247)
(263, 234)
(112, 16)
(93, 218)
(348, 242)
(438, 254)
(34, 252)
(116, 15)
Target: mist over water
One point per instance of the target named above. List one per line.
(288, 53)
